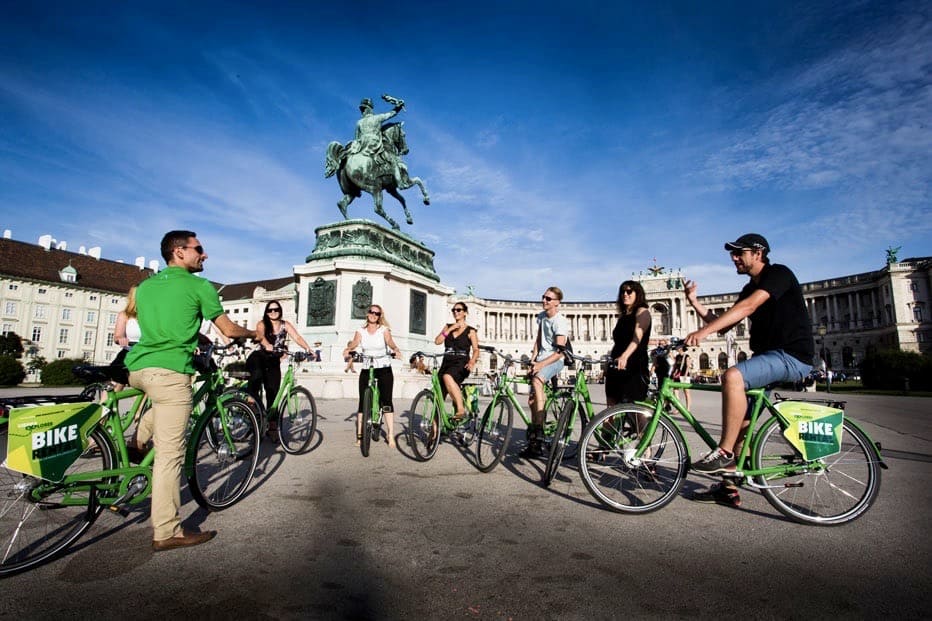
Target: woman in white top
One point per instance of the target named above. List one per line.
(375, 339)
(126, 333)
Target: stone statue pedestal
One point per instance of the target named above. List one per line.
(356, 263)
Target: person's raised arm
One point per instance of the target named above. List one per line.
(692, 297)
(443, 334)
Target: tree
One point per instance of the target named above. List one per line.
(11, 371)
(58, 372)
(891, 369)
(36, 363)
(11, 345)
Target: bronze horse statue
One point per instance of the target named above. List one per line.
(358, 172)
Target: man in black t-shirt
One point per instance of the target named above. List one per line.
(781, 343)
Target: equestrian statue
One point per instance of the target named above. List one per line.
(372, 161)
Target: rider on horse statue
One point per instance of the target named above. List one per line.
(369, 140)
(372, 161)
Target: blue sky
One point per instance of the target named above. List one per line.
(562, 143)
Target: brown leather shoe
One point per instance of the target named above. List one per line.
(184, 540)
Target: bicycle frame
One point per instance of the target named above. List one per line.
(448, 424)
(504, 390)
(375, 411)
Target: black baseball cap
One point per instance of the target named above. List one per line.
(748, 241)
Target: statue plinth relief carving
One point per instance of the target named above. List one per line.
(361, 238)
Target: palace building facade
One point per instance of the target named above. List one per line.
(64, 304)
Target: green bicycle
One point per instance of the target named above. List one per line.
(294, 410)
(811, 462)
(498, 419)
(430, 419)
(372, 414)
(578, 404)
(62, 464)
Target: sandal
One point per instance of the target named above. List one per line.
(358, 439)
(458, 417)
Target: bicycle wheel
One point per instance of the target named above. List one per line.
(553, 407)
(494, 434)
(615, 477)
(33, 531)
(296, 425)
(366, 440)
(222, 458)
(574, 433)
(558, 442)
(424, 426)
(828, 491)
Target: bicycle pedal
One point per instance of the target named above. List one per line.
(120, 510)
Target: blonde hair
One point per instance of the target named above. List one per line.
(382, 320)
(130, 309)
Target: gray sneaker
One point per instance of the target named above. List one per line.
(716, 462)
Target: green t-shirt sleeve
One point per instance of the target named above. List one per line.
(210, 301)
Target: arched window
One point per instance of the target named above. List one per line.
(663, 323)
(703, 361)
(722, 361)
(742, 356)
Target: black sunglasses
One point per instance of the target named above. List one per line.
(627, 290)
(376, 313)
(547, 298)
(197, 249)
(459, 310)
(274, 310)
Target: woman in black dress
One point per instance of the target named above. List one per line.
(460, 356)
(626, 377)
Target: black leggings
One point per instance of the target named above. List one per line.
(385, 379)
(265, 371)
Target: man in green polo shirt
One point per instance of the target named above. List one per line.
(171, 306)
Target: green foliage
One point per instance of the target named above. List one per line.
(58, 372)
(36, 363)
(11, 371)
(11, 345)
(888, 370)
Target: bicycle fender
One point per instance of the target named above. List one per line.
(875, 447)
(848, 421)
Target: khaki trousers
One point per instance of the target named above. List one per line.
(170, 393)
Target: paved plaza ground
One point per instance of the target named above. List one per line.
(333, 535)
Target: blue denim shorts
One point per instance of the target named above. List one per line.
(551, 370)
(771, 366)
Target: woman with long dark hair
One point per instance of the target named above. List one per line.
(626, 377)
(461, 353)
(264, 364)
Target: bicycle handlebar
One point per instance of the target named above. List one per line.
(360, 357)
(605, 359)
